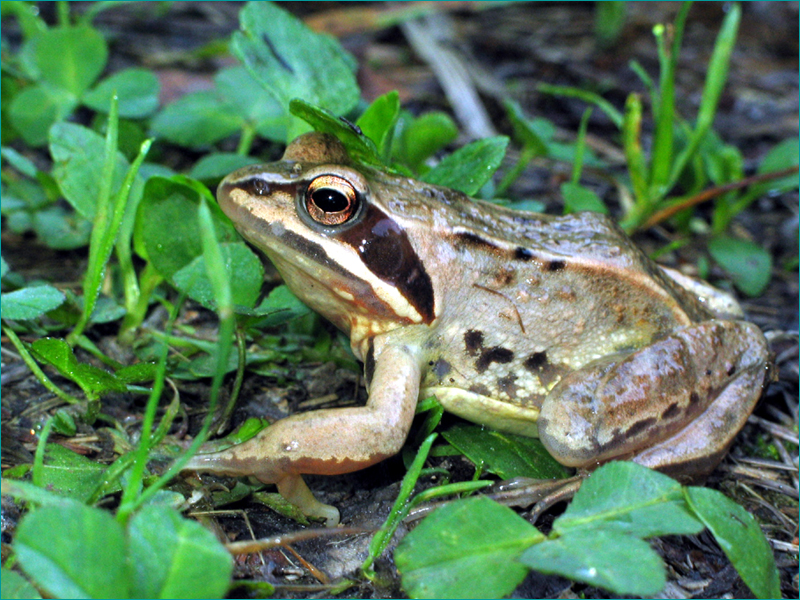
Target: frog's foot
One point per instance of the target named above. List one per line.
(541, 493)
(290, 486)
(675, 405)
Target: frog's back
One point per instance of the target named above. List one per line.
(530, 298)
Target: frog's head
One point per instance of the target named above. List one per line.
(324, 226)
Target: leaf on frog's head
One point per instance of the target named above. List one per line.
(361, 149)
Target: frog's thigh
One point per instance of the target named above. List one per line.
(703, 380)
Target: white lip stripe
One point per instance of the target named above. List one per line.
(339, 253)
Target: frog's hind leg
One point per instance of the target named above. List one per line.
(675, 405)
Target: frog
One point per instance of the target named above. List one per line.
(556, 327)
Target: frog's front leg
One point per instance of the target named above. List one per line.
(675, 405)
(331, 441)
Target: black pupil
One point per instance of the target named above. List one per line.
(329, 200)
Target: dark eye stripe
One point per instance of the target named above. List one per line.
(384, 248)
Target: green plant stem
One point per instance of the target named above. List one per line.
(590, 97)
(62, 9)
(632, 145)
(580, 146)
(136, 302)
(716, 76)
(399, 510)
(36, 370)
(96, 267)
(525, 157)
(38, 457)
(90, 347)
(131, 497)
(246, 140)
(241, 348)
(665, 113)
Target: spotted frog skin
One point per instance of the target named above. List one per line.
(550, 326)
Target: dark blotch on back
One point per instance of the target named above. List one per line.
(473, 340)
(673, 410)
(508, 384)
(535, 361)
(556, 265)
(523, 254)
(386, 251)
(475, 240)
(490, 355)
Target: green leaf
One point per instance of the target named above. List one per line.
(524, 132)
(783, 156)
(422, 137)
(70, 58)
(748, 264)
(138, 373)
(174, 201)
(13, 586)
(359, 147)
(578, 198)
(20, 162)
(137, 90)
(69, 474)
(64, 424)
(61, 229)
(93, 381)
(30, 302)
(173, 557)
(77, 152)
(617, 562)
(74, 551)
(587, 96)
(609, 21)
(196, 120)
(215, 166)
(179, 256)
(379, 120)
(36, 108)
(242, 266)
(23, 490)
(279, 307)
(465, 549)
(292, 61)
(468, 168)
(248, 99)
(740, 537)
(630, 499)
(504, 454)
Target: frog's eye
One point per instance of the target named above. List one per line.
(331, 200)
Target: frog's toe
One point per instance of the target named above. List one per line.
(295, 490)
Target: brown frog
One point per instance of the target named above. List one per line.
(550, 326)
